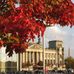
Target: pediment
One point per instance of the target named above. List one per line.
(35, 46)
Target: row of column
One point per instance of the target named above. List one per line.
(50, 59)
(32, 57)
(35, 57)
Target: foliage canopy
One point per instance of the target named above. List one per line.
(18, 25)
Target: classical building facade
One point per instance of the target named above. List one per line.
(54, 57)
(54, 54)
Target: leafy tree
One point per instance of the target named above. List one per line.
(69, 62)
(19, 25)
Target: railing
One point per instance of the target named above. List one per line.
(38, 72)
(21, 72)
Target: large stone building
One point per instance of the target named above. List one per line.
(54, 55)
(2, 66)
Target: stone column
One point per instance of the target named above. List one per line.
(41, 56)
(57, 58)
(19, 62)
(37, 57)
(30, 57)
(46, 58)
(26, 57)
(33, 58)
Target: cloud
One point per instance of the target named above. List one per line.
(66, 34)
(72, 1)
(55, 33)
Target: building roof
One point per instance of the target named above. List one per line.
(56, 41)
(35, 46)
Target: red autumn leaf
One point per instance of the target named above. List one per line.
(26, 21)
(1, 43)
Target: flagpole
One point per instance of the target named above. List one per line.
(43, 39)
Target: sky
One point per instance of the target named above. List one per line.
(4, 57)
(65, 34)
(72, 1)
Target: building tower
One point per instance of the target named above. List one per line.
(58, 46)
(69, 52)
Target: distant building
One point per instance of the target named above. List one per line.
(55, 44)
(54, 54)
(2, 66)
(10, 66)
